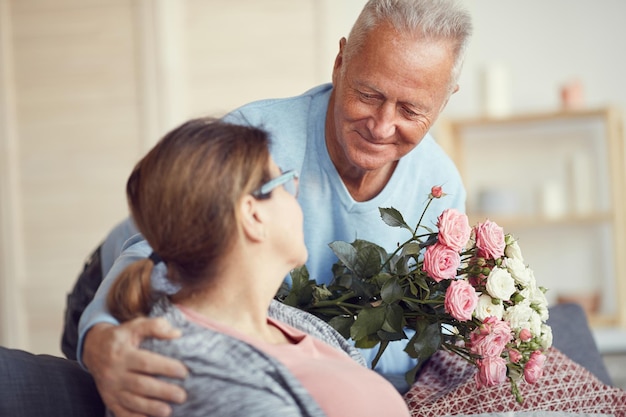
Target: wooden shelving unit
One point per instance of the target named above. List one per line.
(557, 181)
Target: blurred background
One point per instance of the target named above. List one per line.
(87, 86)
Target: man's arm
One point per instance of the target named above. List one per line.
(124, 373)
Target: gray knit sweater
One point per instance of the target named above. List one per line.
(231, 378)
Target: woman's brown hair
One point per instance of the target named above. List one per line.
(182, 197)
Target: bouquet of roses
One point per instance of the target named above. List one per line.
(462, 289)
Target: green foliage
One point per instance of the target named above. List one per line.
(374, 296)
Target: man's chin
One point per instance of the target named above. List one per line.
(367, 163)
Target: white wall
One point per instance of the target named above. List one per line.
(544, 44)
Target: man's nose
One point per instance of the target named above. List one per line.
(382, 124)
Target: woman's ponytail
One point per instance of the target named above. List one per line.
(131, 294)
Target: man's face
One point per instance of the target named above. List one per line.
(386, 98)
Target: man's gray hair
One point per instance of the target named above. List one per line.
(428, 19)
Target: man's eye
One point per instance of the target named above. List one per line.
(367, 96)
(408, 112)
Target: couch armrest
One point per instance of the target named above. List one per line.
(40, 385)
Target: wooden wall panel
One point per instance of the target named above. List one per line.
(248, 50)
(78, 128)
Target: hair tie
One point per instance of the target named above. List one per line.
(155, 258)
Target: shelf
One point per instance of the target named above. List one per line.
(530, 221)
(556, 181)
(526, 118)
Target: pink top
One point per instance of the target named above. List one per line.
(338, 384)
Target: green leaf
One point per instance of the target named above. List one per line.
(299, 278)
(394, 319)
(367, 342)
(381, 350)
(342, 324)
(368, 262)
(413, 305)
(368, 322)
(393, 218)
(321, 293)
(425, 341)
(344, 280)
(411, 248)
(380, 279)
(420, 281)
(345, 252)
(411, 375)
(399, 265)
(305, 295)
(362, 258)
(391, 291)
(388, 336)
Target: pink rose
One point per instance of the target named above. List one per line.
(436, 191)
(461, 300)
(491, 371)
(514, 355)
(441, 262)
(533, 370)
(490, 240)
(525, 335)
(454, 229)
(491, 338)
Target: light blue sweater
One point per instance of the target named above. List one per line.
(296, 126)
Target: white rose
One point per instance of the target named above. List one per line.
(537, 299)
(519, 316)
(500, 284)
(486, 308)
(546, 337)
(543, 312)
(535, 323)
(518, 270)
(513, 251)
(531, 280)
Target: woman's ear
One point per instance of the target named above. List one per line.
(251, 218)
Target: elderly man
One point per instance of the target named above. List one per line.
(359, 143)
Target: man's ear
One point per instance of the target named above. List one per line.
(251, 218)
(338, 60)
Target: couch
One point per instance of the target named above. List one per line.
(44, 385)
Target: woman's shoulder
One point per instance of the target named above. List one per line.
(199, 345)
(313, 326)
(227, 376)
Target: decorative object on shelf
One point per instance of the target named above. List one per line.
(498, 201)
(496, 90)
(553, 200)
(572, 95)
(463, 290)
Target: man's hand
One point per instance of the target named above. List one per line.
(124, 374)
